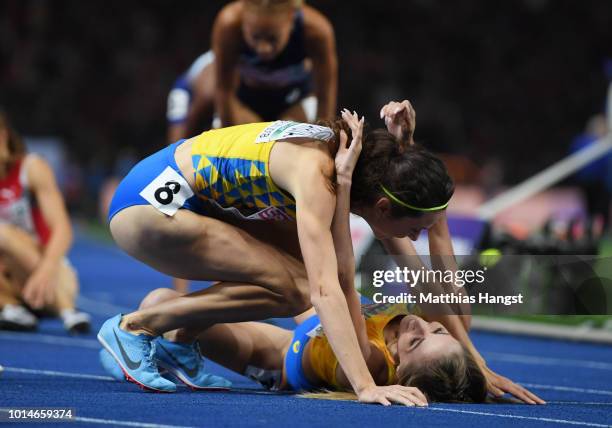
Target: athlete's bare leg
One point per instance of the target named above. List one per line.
(239, 345)
(199, 116)
(8, 291)
(295, 112)
(20, 255)
(259, 281)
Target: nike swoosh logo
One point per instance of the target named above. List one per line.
(132, 365)
(190, 372)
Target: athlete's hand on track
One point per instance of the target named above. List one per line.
(346, 157)
(39, 289)
(385, 395)
(497, 385)
(400, 120)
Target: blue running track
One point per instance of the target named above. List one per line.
(51, 369)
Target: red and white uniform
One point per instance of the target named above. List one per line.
(17, 203)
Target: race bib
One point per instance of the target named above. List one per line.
(168, 192)
(287, 130)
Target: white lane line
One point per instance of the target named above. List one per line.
(546, 361)
(115, 422)
(100, 307)
(581, 403)
(66, 374)
(531, 418)
(125, 423)
(566, 388)
(138, 424)
(56, 373)
(51, 340)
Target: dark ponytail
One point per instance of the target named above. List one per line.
(411, 173)
(336, 125)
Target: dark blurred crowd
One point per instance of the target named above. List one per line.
(508, 81)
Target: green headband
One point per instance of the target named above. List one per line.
(412, 207)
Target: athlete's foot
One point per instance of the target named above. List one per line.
(17, 318)
(113, 369)
(76, 322)
(128, 325)
(185, 362)
(135, 355)
(110, 366)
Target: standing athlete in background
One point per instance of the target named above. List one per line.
(270, 59)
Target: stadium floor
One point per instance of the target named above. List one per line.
(50, 369)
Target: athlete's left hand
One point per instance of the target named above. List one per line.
(498, 385)
(39, 289)
(400, 120)
(347, 156)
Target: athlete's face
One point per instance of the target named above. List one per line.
(385, 226)
(267, 33)
(419, 342)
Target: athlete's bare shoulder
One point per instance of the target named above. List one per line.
(317, 27)
(227, 38)
(229, 20)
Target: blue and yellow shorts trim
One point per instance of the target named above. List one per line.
(294, 371)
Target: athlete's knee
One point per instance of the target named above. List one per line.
(297, 297)
(287, 287)
(158, 296)
(8, 236)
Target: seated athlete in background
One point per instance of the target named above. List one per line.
(402, 349)
(35, 236)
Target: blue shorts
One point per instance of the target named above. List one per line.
(293, 360)
(270, 104)
(129, 192)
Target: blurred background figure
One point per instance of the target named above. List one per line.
(35, 235)
(270, 59)
(595, 178)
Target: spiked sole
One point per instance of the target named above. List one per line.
(125, 373)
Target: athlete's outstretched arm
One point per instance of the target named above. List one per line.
(40, 288)
(441, 250)
(321, 48)
(345, 161)
(315, 200)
